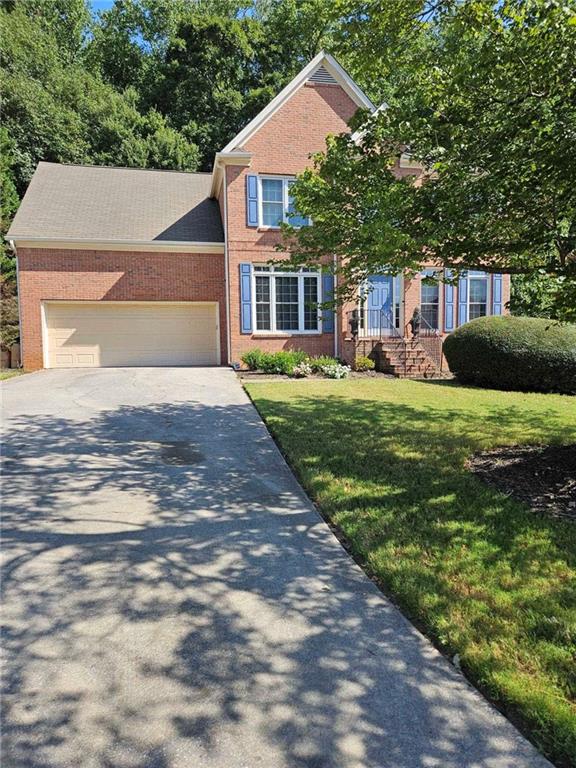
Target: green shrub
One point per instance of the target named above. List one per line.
(363, 363)
(252, 359)
(281, 362)
(525, 353)
(317, 363)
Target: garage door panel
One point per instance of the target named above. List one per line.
(106, 334)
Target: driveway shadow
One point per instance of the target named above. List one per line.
(162, 615)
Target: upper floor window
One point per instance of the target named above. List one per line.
(477, 295)
(277, 204)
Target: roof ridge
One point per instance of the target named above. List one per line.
(125, 168)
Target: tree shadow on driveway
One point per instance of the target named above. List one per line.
(162, 615)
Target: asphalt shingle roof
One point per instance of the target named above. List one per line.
(125, 204)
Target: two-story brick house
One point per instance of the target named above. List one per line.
(123, 266)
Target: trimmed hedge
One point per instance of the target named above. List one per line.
(525, 353)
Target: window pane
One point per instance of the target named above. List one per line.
(272, 214)
(476, 310)
(287, 289)
(272, 190)
(310, 304)
(430, 315)
(478, 290)
(429, 293)
(263, 303)
(294, 218)
(287, 303)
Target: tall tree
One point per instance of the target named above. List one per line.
(487, 104)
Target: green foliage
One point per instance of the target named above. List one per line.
(252, 359)
(9, 316)
(363, 363)
(281, 362)
(537, 295)
(483, 576)
(321, 361)
(485, 97)
(514, 353)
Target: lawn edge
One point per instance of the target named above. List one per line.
(506, 710)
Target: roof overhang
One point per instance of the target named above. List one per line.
(161, 246)
(221, 159)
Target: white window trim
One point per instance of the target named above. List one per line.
(437, 274)
(486, 277)
(286, 180)
(273, 331)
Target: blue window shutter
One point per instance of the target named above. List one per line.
(252, 200)
(246, 298)
(463, 299)
(448, 303)
(497, 294)
(327, 295)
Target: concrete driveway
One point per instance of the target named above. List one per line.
(173, 600)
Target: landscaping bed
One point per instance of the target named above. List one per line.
(386, 463)
(297, 364)
(543, 476)
(247, 376)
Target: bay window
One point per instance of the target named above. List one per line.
(286, 302)
(276, 203)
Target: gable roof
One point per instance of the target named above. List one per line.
(322, 68)
(123, 205)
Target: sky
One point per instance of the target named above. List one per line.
(101, 5)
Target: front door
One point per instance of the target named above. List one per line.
(379, 305)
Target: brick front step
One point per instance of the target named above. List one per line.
(403, 358)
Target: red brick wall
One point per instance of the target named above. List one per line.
(282, 146)
(50, 274)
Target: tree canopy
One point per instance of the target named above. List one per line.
(486, 102)
(482, 93)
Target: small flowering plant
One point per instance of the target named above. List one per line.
(301, 371)
(336, 371)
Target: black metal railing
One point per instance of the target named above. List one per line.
(373, 323)
(380, 324)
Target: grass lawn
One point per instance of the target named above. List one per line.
(9, 373)
(478, 572)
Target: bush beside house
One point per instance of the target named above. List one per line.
(523, 353)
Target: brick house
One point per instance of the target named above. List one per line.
(124, 266)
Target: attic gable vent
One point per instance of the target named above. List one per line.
(322, 76)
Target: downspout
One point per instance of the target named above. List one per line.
(337, 315)
(12, 246)
(226, 266)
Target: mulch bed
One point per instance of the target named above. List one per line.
(260, 376)
(543, 476)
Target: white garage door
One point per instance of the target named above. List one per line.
(104, 334)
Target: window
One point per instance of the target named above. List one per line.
(272, 202)
(277, 205)
(477, 295)
(430, 300)
(286, 302)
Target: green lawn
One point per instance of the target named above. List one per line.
(478, 572)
